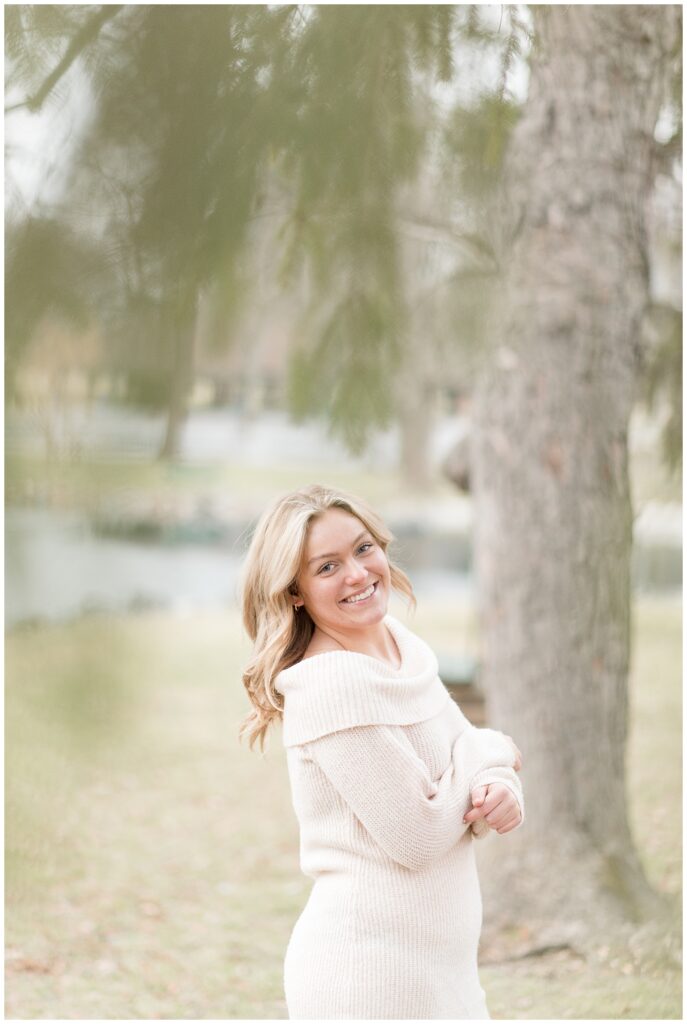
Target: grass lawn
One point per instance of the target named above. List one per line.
(152, 861)
(89, 484)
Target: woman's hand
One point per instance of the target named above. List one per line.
(518, 756)
(498, 806)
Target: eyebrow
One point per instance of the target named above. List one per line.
(333, 554)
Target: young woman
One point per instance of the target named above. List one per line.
(390, 783)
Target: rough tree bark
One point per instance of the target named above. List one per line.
(553, 522)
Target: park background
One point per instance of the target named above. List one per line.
(250, 248)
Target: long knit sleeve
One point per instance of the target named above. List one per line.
(414, 819)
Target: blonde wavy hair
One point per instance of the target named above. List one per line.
(280, 637)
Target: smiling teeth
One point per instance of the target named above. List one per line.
(359, 597)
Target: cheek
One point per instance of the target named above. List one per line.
(382, 566)
(318, 589)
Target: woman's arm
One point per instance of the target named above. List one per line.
(377, 772)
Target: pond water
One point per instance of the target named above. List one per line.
(58, 567)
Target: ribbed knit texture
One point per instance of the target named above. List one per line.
(381, 764)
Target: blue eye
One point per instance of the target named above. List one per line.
(363, 549)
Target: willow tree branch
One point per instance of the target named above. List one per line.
(88, 32)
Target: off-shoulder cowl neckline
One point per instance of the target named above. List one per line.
(337, 690)
(393, 627)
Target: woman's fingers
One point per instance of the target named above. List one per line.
(486, 800)
(509, 825)
(504, 808)
(478, 795)
(498, 806)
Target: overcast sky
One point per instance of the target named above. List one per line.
(37, 145)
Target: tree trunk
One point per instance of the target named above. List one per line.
(553, 514)
(415, 424)
(183, 329)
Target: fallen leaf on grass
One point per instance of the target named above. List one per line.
(27, 965)
(150, 908)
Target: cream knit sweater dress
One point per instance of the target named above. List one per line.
(381, 766)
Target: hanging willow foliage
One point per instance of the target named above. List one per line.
(198, 111)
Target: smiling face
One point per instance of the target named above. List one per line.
(344, 580)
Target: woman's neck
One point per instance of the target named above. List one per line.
(375, 641)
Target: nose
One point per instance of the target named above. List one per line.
(355, 572)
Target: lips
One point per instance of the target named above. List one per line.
(362, 595)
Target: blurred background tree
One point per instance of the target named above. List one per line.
(553, 541)
(423, 226)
